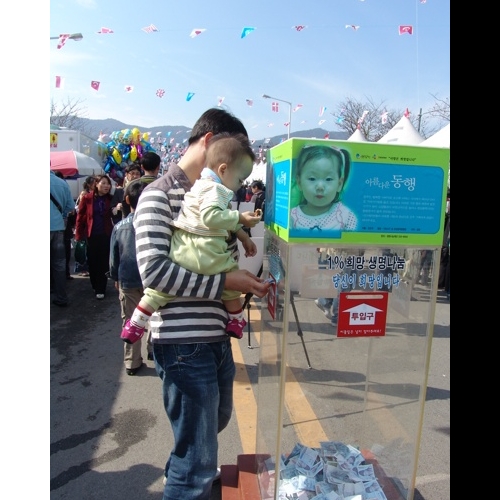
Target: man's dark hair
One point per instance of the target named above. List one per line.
(216, 120)
(133, 191)
(150, 161)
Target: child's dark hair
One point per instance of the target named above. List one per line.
(228, 148)
(308, 153)
(88, 182)
(216, 120)
(133, 191)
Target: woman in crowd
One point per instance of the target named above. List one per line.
(94, 224)
(88, 186)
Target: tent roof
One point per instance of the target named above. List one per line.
(440, 139)
(402, 133)
(358, 136)
(71, 163)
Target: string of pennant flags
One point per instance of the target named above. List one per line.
(151, 29)
(275, 105)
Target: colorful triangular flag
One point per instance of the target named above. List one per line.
(249, 102)
(62, 40)
(189, 96)
(363, 116)
(297, 107)
(246, 31)
(95, 85)
(322, 110)
(150, 29)
(59, 82)
(196, 32)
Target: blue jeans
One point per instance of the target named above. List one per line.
(198, 398)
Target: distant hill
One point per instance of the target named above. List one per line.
(94, 127)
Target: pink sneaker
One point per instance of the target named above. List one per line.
(131, 333)
(234, 328)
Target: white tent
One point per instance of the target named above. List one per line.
(258, 173)
(440, 139)
(402, 133)
(358, 136)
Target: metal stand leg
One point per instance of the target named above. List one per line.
(246, 304)
(248, 316)
(299, 329)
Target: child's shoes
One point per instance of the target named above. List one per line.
(131, 333)
(235, 327)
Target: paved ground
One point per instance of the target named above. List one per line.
(109, 436)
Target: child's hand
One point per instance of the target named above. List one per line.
(250, 248)
(249, 219)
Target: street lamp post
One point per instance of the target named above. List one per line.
(265, 96)
(75, 36)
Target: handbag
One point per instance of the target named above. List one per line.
(81, 252)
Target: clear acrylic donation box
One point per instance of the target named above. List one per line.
(353, 235)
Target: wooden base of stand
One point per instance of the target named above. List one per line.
(240, 482)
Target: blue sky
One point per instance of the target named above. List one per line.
(318, 66)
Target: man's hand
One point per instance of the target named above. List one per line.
(246, 282)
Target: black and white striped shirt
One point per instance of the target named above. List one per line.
(197, 314)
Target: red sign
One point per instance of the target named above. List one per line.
(272, 296)
(362, 314)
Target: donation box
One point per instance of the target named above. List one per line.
(352, 240)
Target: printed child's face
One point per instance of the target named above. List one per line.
(233, 177)
(320, 182)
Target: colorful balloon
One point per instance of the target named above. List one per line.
(116, 156)
(136, 136)
(133, 153)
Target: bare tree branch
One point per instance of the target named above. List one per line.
(68, 114)
(367, 116)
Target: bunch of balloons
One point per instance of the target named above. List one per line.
(123, 148)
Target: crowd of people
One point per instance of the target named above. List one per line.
(189, 341)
